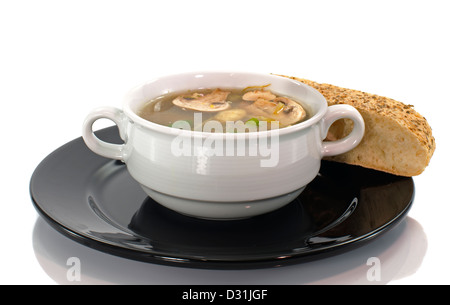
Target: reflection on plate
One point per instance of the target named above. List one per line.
(95, 201)
(400, 253)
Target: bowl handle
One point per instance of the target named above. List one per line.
(102, 148)
(334, 113)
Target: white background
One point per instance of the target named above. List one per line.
(60, 59)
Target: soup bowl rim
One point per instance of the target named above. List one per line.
(131, 114)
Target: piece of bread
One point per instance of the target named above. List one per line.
(397, 139)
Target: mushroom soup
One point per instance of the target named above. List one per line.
(231, 110)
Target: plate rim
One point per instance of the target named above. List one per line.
(202, 263)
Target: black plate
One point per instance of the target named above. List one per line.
(95, 201)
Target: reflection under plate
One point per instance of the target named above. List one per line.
(399, 251)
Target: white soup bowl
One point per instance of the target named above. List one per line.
(240, 175)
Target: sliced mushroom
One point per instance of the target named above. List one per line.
(258, 94)
(209, 102)
(281, 109)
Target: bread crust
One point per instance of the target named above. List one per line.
(398, 139)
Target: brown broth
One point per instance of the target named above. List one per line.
(163, 111)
